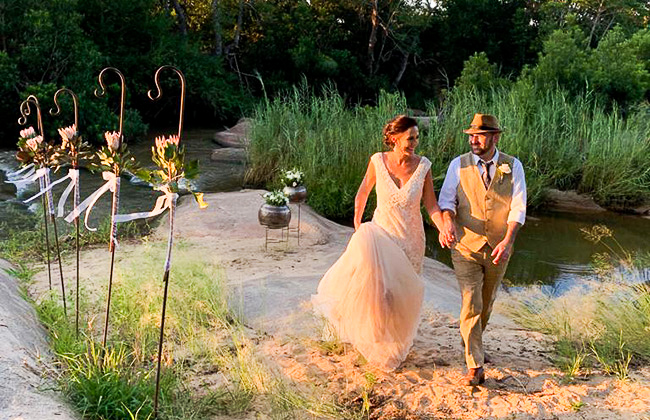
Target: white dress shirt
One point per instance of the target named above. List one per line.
(449, 193)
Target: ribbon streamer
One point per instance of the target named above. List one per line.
(162, 203)
(73, 176)
(31, 176)
(112, 183)
(29, 168)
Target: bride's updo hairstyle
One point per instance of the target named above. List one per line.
(397, 125)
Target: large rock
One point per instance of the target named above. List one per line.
(571, 201)
(236, 136)
(23, 349)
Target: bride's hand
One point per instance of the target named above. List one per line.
(447, 236)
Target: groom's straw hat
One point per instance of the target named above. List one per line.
(483, 123)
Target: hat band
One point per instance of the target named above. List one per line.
(483, 127)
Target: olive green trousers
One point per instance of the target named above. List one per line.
(479, 279)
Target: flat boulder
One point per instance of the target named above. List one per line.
(236, 136)
(24, 387)
(571, 201)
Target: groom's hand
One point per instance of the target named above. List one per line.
(448, 236)
(502, 251)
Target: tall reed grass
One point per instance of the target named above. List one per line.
(564, 142)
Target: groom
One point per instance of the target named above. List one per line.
(484, 202)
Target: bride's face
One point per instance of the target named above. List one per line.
(406, 142)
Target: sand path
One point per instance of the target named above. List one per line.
(272, 289)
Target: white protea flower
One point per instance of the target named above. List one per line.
(27, 133)
(162, 142)
(35, 142)
(67, 134)
(113, 139)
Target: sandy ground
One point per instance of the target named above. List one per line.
(25, 392)
(272, 289)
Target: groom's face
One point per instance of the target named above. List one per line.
(483, 144)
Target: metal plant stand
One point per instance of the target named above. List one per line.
(284, 237)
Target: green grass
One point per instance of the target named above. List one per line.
(605, 326)
(24, 241)
(211, 361)
(563, 142)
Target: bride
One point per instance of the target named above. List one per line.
(372, 295)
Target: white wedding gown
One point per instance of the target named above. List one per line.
(372, 295)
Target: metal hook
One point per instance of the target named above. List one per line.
(123, 93)
(26, 110)
(75, 102)
(181, 76)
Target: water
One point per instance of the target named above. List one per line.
(135, 196)
(550, 249)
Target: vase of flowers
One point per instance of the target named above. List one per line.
(293, 185)
(274, 213)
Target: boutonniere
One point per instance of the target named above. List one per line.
(505, 168)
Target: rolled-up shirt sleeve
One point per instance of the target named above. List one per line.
(518, 203)
(448, 198)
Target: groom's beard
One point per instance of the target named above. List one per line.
(478, 150)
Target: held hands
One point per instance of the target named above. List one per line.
(447, 236)
(502, 251)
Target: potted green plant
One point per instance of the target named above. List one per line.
(274, 213)
(293, 185)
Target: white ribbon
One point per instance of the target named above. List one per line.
(163, 203)
(48, 194)
(111, 184)
(73, 176)
(31, 176)
(29, 168)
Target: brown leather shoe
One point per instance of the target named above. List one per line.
(474, 377)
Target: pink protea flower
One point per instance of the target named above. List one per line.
(67, 134)
(27, 133)
(35, 142)
(162, 141)
(113, 139)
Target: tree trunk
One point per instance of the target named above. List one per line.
(405, 61)
(216, 19)
(374, 19)
(182, 18)
(240, 18)
(595, 23)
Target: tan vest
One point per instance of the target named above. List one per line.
(482, 216)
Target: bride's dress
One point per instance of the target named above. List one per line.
(372, 295)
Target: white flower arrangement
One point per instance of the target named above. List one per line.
(293, 178)
(276, 198)
(505, 168)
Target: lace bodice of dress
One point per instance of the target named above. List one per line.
(398, 209)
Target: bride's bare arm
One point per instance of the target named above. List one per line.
(430, 202)
(362, 194)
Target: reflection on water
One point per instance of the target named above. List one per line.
(550, 249)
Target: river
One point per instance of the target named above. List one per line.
(550, 248)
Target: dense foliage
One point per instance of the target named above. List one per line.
(233, 51)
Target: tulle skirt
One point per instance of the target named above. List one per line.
(372, 296)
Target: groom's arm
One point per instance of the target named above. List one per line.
(516, 216)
